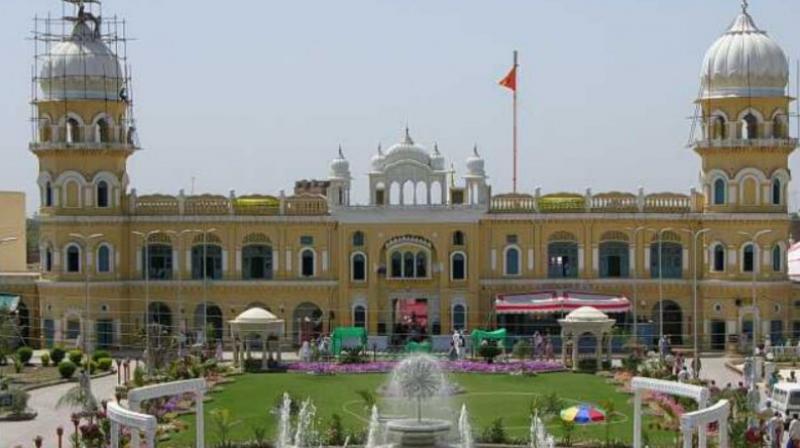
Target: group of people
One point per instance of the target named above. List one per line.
(776, 432)
(542, 346)
(458, 346)
(315, 348)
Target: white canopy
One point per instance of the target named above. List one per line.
(257, 320)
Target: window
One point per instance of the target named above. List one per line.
(159, 265)
(358, 239)
(306, 240)
(48, 194)
(777, 259)
(211, 267)
(719, 258)
(512, 263)
(776, 192)
(459, 317)
(613, 259)
(103, 134)
(511, 239)
(307, 263)
(719, 127)
(748, 258)
(397, 265)
(48, 259)
(73, 131)
(458, 266)
(257, 262)
(409, 265)
(562, 260)
(102, 194)
(103, 259)
(749, 127)
(73, 329)
(359, 267)
(672, 258)
(360, 316)
(73, 258)
(422, 265)
(719, 192)
(458, 238)
(777, 127)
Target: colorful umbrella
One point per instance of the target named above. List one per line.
(582, 414)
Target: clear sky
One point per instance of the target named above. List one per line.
(252, 95)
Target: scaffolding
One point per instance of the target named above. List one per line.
(81, 56)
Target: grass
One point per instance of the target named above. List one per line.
(251, 397)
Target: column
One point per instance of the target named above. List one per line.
(563, 348)
(264, 343)
(199, 420)
(599, 351)
(610, 346)
(687, 437)
(637, 418)
(114, 434)
(575, 353)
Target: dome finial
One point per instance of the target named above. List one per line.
(475, 150)
(408, 140)
(745, 5)
(436, 148)
(341, 154)
(380, 149)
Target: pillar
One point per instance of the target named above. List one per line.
(610, 346)
(563, 348)
(115, 434)
(701, 430)
(575, 354)
(599, 351)
(264, 343)
(199, 420)
(687, 437)
(637, 418)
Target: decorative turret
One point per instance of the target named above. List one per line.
(477, 188)
(339, 177)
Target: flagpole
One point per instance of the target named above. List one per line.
(515, 124)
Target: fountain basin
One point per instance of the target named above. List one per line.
(417, 433)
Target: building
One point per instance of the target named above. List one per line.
(12, 232)
(429, 253)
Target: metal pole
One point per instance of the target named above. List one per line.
(205, 287)
(694, 298)
(147, 302)
(753, 237)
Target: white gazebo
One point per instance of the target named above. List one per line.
(257, 321)
(585, 319)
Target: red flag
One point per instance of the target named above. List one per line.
(510, 81)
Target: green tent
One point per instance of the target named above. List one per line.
(419, 347)
(496, 335)
(348, 337)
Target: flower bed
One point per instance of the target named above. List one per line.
(325, 368)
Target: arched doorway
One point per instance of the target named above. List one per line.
(213, 322)
(306, 322)
(673, 321)
(160, 315)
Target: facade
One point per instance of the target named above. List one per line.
(429, 253)
(12, 232)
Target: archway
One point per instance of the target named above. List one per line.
(160, 315)
(673, 321)
(306, 322)
(213, 321)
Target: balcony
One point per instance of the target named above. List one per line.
(606, 202)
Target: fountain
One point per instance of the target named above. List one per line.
(303, 435)
(538, 434)
(464, 428)
(420, 381)
(374, 430)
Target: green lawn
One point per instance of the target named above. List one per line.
(251, 397)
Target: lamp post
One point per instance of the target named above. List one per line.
(205, 283)
(178, 234)
(695, 235)
(145, 236)
(753, 238)
(85, 265)
(635, 232)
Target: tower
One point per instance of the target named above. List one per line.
(745, 144)
(83, 131)
(339, 178)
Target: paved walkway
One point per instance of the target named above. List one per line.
(714, 369)
(44, 401)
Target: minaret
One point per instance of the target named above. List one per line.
(339, 178)
(746, 142)
(83, 126)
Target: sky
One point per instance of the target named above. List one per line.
(252, 95)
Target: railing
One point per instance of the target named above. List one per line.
(770, 142)
(607, 202)
(216, 205)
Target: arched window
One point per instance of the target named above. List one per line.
(103, 131)
(103, 259)
(48, 259)
(360, 316)
(459, 317)
(749, 127)
(719, 191)
(748, 258)
(614, 259)
(72, 194)
(397, 265)
(257, 262)
(358, 239)
(777, 127)
(422, 265)
(48, 194)
(719, 258)
(458, 238)
(562, 259)
(719, 127)
(512, 264)
(102, 194)
(210, 267)
(672, 258)
(359, 267)
(159, 263)
(307, 263)
(73, 131)
(408, 265)
(73, 258)
(458, 266)
(777, 259)
(776, 191)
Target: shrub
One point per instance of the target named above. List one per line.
(335, 434)
(45, 359)
(75, 356)
(24, 354)
(354, 355)
(489, 351)
(57, 355)
(91, 366)
(67, 369)
(17, 365)
(522, 349)
(105, 364)
(138, 376)
(495, 432)
(19, 400)
(100, 354)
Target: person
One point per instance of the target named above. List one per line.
(775, 429)
(773, 380)
(305, 352)
(683, 375)
(462, 344)
(794, 432)
(792, 376)
(662, 346)
(455, 345)
(747, 371)
(452, 354)
(548, 348)
(696, 365)
(713, 388)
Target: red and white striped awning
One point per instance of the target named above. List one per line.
(545, 302)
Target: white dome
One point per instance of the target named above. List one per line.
(378, 159)
(82, 67)
(437, 159)
(255, 316)
(744, 61)
(406, 150)
(340, 167)
(586, 314)
(475, 164)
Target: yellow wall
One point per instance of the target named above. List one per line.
(12, 224)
